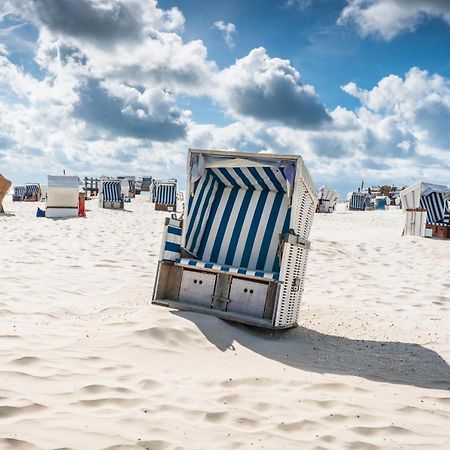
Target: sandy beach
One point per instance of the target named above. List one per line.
(86, 362)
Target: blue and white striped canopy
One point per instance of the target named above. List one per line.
(235, 217)
(111, 190)
(166, 193)
(436, 206)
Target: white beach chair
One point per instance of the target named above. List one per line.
(328, 199)
(62, 196)
(240, 252)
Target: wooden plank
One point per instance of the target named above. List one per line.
(234, 317)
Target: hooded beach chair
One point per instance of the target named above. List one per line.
(19, 192)
(62, 196)
(165, 195)
(145, 184)
(111, 194)
(5, 184)
(425, 204)
(328, 199)
(240, 251)
(32, 192)
(359, 201)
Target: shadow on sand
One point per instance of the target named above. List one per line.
(309, 350)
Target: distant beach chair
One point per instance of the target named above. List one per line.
(327, 201)
(62, 197)
(5, 184)
(381, 202)
(91, 187)
(111, 194)
(32, 192)
(359, 201)
(145, 184)
(428, 201)
(165, 195)
(240, 252)
(19, 192)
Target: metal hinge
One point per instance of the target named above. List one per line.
(295, 239)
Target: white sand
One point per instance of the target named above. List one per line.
(86, 362)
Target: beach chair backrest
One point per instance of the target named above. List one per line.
(235, 216)
(166, 193)
(62, 191)
(111, 190)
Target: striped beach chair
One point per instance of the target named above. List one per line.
(431, 199)
(32, 192)
(359, 201)
(165, 195)
(19, 192)
(240, 251)
(111, 194)
(328, 199)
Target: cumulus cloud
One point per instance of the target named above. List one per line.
(98, 105)
(388, 18)
(270, 89)
(228, 30)
(105, 22)
(124, 111)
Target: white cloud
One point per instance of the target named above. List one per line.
(270, 90)
(108, 107)
(388, 18)
(228, 30)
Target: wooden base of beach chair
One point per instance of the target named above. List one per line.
(229, 296)
(113, 205)
(439, 231)
(167, 208)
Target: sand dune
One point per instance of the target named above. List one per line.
(86, 362)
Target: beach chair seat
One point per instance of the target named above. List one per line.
(213, 267)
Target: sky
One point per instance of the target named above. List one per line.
(359, 88)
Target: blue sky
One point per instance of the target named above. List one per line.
(359, 88)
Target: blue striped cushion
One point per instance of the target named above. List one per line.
(171, 241)
(224, 268)
(236, 215)
(112, 191)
